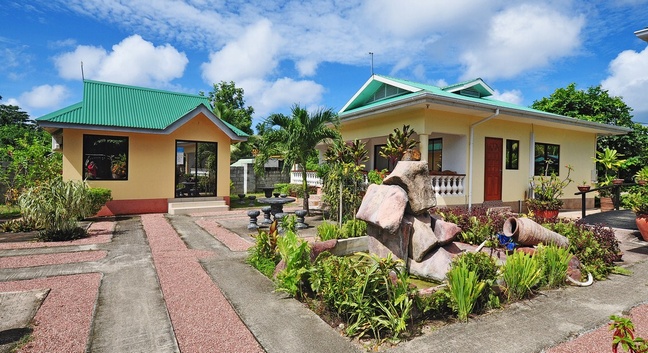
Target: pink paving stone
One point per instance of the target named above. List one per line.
(600, 340)
(202, 318)
(99, 232)
(232, 240)
(51, 259)
(62, 323)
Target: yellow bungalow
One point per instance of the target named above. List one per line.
(155, 150)
(479, 149)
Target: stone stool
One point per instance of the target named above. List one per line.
(279, 218)
(251, 198)
(301, 224)
(267, 221)
(253, 214)
(241, 198)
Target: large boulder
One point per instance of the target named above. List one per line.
(445, 232)
(414, 178)
(383, 206)
(383, 243)
(423, 238)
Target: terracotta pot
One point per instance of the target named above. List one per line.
(617, 181)
(547, 214)
(641, 182)
(583, 188)
(642, 224)
(606, 204)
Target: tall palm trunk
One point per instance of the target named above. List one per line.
(305, 188)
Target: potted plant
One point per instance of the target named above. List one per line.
(641, 177)
(637, 201)
(583, 186)
(547, 191)
(609, 160)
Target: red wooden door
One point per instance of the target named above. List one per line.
(493, 169)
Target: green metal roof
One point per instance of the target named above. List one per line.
(363, 101)
(111, 105)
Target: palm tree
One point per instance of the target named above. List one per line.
(296, 137)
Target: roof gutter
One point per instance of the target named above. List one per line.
(471, 149)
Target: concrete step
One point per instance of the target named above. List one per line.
(196, 206)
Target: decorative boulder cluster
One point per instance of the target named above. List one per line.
(399, 222)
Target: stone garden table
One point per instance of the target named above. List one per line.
(276, 203)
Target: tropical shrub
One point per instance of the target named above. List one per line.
(353, 228)
(29, 163)
(554, 261)
(486, 271)
(465, 288)
(263, 255)
(327, 231)
(56, 206)
(437, 305)
(295, 252)
(522, 273)
(370, 293)
(595, 246)
(98, 198)
(624, 335)
(476, 224)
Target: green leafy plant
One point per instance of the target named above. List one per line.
(547, 190)
(486, 269)
(28, 164)
(642, 175)
(610, 161)
(398, 142)
(376, 177)
(465, 288)
(353, 228)
(56, 206)
(98, 198)
(595, 246)
(263, 255)
(637, 200)
(624, 335)
(555, 262)
(370, 293)
(327, 231)
(296, 254)
(522, 273)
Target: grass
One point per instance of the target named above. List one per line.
(7, 211)
(236, 204)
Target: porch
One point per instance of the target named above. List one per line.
(444, 184)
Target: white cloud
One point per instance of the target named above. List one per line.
(522, 38)
(306, 67)
(44, 96)
(132, 61)
(267, 97)
(253, 55)
(514, 96)
(629, 79)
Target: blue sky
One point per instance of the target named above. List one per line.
(316, 52)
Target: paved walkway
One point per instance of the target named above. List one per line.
(139, 308)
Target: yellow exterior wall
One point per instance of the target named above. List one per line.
(576, 148)
(151, 160)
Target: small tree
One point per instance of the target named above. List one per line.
(295, 138)
(343, 177)
(398, 143)
(27, 164)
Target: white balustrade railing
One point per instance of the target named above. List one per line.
(448, 185)
(443, 185)
(311, 178)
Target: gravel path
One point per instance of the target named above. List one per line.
(99, 232)
(50, 259)
(600, 340)
(232, 240)
(62, 323)
(202, 318)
